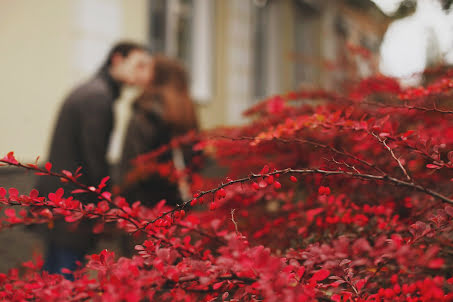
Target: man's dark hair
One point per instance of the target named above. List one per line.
(122, 48)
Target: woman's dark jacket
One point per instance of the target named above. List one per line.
(147, 131)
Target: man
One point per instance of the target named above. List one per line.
(81, 138)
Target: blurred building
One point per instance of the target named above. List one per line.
(237, 51)
(242, 51)
(47, 47)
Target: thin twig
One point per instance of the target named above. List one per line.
(234, 222)
(313, 143)
(409, 107)
(384, 178)
(393, 155)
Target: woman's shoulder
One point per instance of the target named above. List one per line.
(149, 105)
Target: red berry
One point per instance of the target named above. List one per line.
(397, 289)
(277, 185)
(265, 169)
(293, 178)
(323, 190)
(270, 179)
(220, 193)
(255, 186)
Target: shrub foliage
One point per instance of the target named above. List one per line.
(328, 196)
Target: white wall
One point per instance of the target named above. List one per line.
(40, 57)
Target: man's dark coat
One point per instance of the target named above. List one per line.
(80, 139)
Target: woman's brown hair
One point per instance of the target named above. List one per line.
(170, 79)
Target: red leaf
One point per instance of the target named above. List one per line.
(431, 166)
(436, 263)
(419, 229)
(59, 193)
(66, 271)
(10, 213)
(407, 134)
(320, 275)
(74, 217)
(359, 285)
(13, 192)
(98, 228)
(448, 209)
(67, 173)
(312, 213)
(46, 213)
(9, 158)
(107, 195)
(34, 194)
(217, 285)
(103, 182)
(270, 179)
(300, 272)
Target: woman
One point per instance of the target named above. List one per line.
(163, 111)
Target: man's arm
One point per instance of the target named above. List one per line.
(96, 124)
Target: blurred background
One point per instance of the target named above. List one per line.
(237, 52)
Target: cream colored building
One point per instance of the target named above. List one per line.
(46, 47)
(237, 51)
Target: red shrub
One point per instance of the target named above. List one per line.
(349, 200)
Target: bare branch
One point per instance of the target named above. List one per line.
(393, 155)
(409, 107)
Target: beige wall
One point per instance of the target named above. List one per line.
(34, 72)
(37, 57)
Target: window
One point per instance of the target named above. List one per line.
(184, 29)
(306, 44)
(260, 62)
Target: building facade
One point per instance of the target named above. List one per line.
(239, 52)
